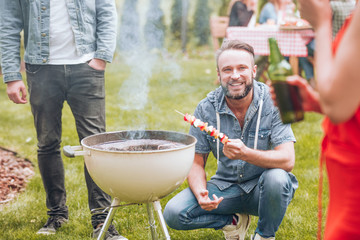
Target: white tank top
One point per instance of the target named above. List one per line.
(62, 40)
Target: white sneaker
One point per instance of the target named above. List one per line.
(238, 231)
(258, 237)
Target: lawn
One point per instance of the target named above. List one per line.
(142, 93)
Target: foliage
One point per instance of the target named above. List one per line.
(154, 30)
(223, 10)
(176, 18)
(201, 22)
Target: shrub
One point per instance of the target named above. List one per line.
(201, 22)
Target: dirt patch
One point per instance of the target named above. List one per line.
(15, 172)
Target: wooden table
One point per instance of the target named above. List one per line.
(292, 41)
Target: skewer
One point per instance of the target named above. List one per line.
(204, 127)
(179, 112)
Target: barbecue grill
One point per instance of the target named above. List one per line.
(137, 167)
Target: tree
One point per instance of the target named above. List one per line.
(201, 22)
(223, 11)
(154, 29)
(129, 33)
(184, 24)
(176, 17)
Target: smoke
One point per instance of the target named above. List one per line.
(154, 29)
(129, 32)
(134, 90)
(143, 53)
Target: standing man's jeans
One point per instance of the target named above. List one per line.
(268, 200)
(83, 89)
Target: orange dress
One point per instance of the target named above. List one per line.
(341, 151)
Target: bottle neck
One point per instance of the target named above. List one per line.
(275, 54)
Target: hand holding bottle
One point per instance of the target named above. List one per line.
(310, 98)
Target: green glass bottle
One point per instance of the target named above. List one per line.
(287, 96)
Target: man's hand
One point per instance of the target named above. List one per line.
(309, 96)
(206, 203)
(16, 92)
(97, 64)
(316, 12)
(235, 149)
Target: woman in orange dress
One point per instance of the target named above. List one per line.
(338, 97)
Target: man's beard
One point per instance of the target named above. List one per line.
(248, 88)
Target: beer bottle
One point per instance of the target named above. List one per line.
(287, 96)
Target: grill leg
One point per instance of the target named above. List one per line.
(157, 208)
(108, 219)
(151, 221)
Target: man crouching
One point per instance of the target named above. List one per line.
(253, 174)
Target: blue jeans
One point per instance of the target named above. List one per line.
(304, 62)
(307, 66)
(83, 89)
(268, 200)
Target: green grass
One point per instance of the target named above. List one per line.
(174, 84)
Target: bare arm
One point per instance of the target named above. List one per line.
(283, 156)
(337, 76)
(197, 183)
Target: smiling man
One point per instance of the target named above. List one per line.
(254, 168)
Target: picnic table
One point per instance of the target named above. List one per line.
(292, 41)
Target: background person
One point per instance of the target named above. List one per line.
(337, 96)
(271, 13)
(242, 13)
(250, 179)
(67, 45)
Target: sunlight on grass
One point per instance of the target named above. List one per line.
(167, 90)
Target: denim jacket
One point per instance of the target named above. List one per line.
(272, 132)
(93, 22)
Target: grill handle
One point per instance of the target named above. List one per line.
(73, 151)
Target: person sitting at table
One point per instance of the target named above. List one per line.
(272, 10)
(242, 13)
(254, 168)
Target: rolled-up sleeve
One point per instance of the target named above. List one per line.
(280, 133)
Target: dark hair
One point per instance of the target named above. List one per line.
(234, 45)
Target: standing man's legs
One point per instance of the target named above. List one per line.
(86, 98)
(47, 92)
(83, 88)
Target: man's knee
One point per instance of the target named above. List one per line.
(276, 181)
(171, 215)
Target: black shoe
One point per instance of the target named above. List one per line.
(111, 234)
(52, 224)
